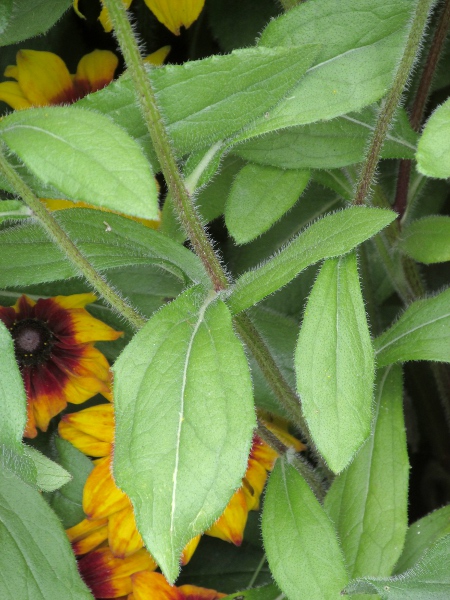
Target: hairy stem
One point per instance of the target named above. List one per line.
(161, 142)
(421, 99)
(392, 100)
(60, 237)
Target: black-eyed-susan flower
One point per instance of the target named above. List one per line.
(54, 346)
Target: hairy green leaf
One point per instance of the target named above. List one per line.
(85, 156)
(362, 45)
(433, 150)
(259, 196)
(421, 333)
(421, 535)
(300, 541)
(327, 144)
(333, 235)
(27, 18)
(428, 579)
(107, 240)
(49, 475)
(187, 370)
(427, 240)
(368, 501)
(334, 363)
(241, 86)
(37, 560)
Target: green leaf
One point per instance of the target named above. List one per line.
(36, 559)
(427, 240)
(259, 196)
(333, 235)
(433, 150)
(429, 579)
(300, 541)
(50, 475)
(85, 156)
(13, 410)
(421, 333)
(28, 18)
(187, 369)
(67, 502)
(267, 592)
(334, 363)
(241, 86)
(368, 501)
(107, 240)
(421, 535)
(355, 65)
(327, 144)
(13, 209)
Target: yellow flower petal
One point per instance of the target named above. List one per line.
(123, 536)
(11, 93)
(95, 70)
(43, 77)
(101, 496)
(192, 592)
(153, 585)
(189, 550)
(75, 301)
(87, 444)
(96, 421)
(175, 13)
(253, 484)
(230, 526)
(91, 540)
(157, 58)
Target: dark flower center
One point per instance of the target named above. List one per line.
(33, 341)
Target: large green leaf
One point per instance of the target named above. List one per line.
(259, 196)
(107, 240)
(368, 501)
(184, 422)
(50, 476)
(421, 333)
(334, 363)
(333, 235)
(36, 561)
(429, 579)
(421, 535)
(362, 46)
(433, 151)
(300, 541)
(13, 410)
(427, 240)
(85, 156)
(206, 100)
(327, 144)
(27, 18)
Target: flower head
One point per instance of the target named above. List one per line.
(54, 345)
(42, 78)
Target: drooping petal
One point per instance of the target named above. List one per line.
(153, 585)
(12, 94)
(158, 57)
(176, 13)
(230, 526)
(95, 70)
(101, 496)
(44, 78)
(192, 592)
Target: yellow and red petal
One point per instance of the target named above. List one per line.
(230, 526)
(95, 70)
(84, 530)
(263, 453)
(192, 592)
(12, 94)
(253, 483)
(110, 577)
(87, 444)
(101, 496)
(189, 550)
(153, 585)
(123, 536)
(279, 426)
(176, 13)
(95, 421)
(44, 78)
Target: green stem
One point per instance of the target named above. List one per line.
(161, 142)
(392, 100)
(60, 237)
